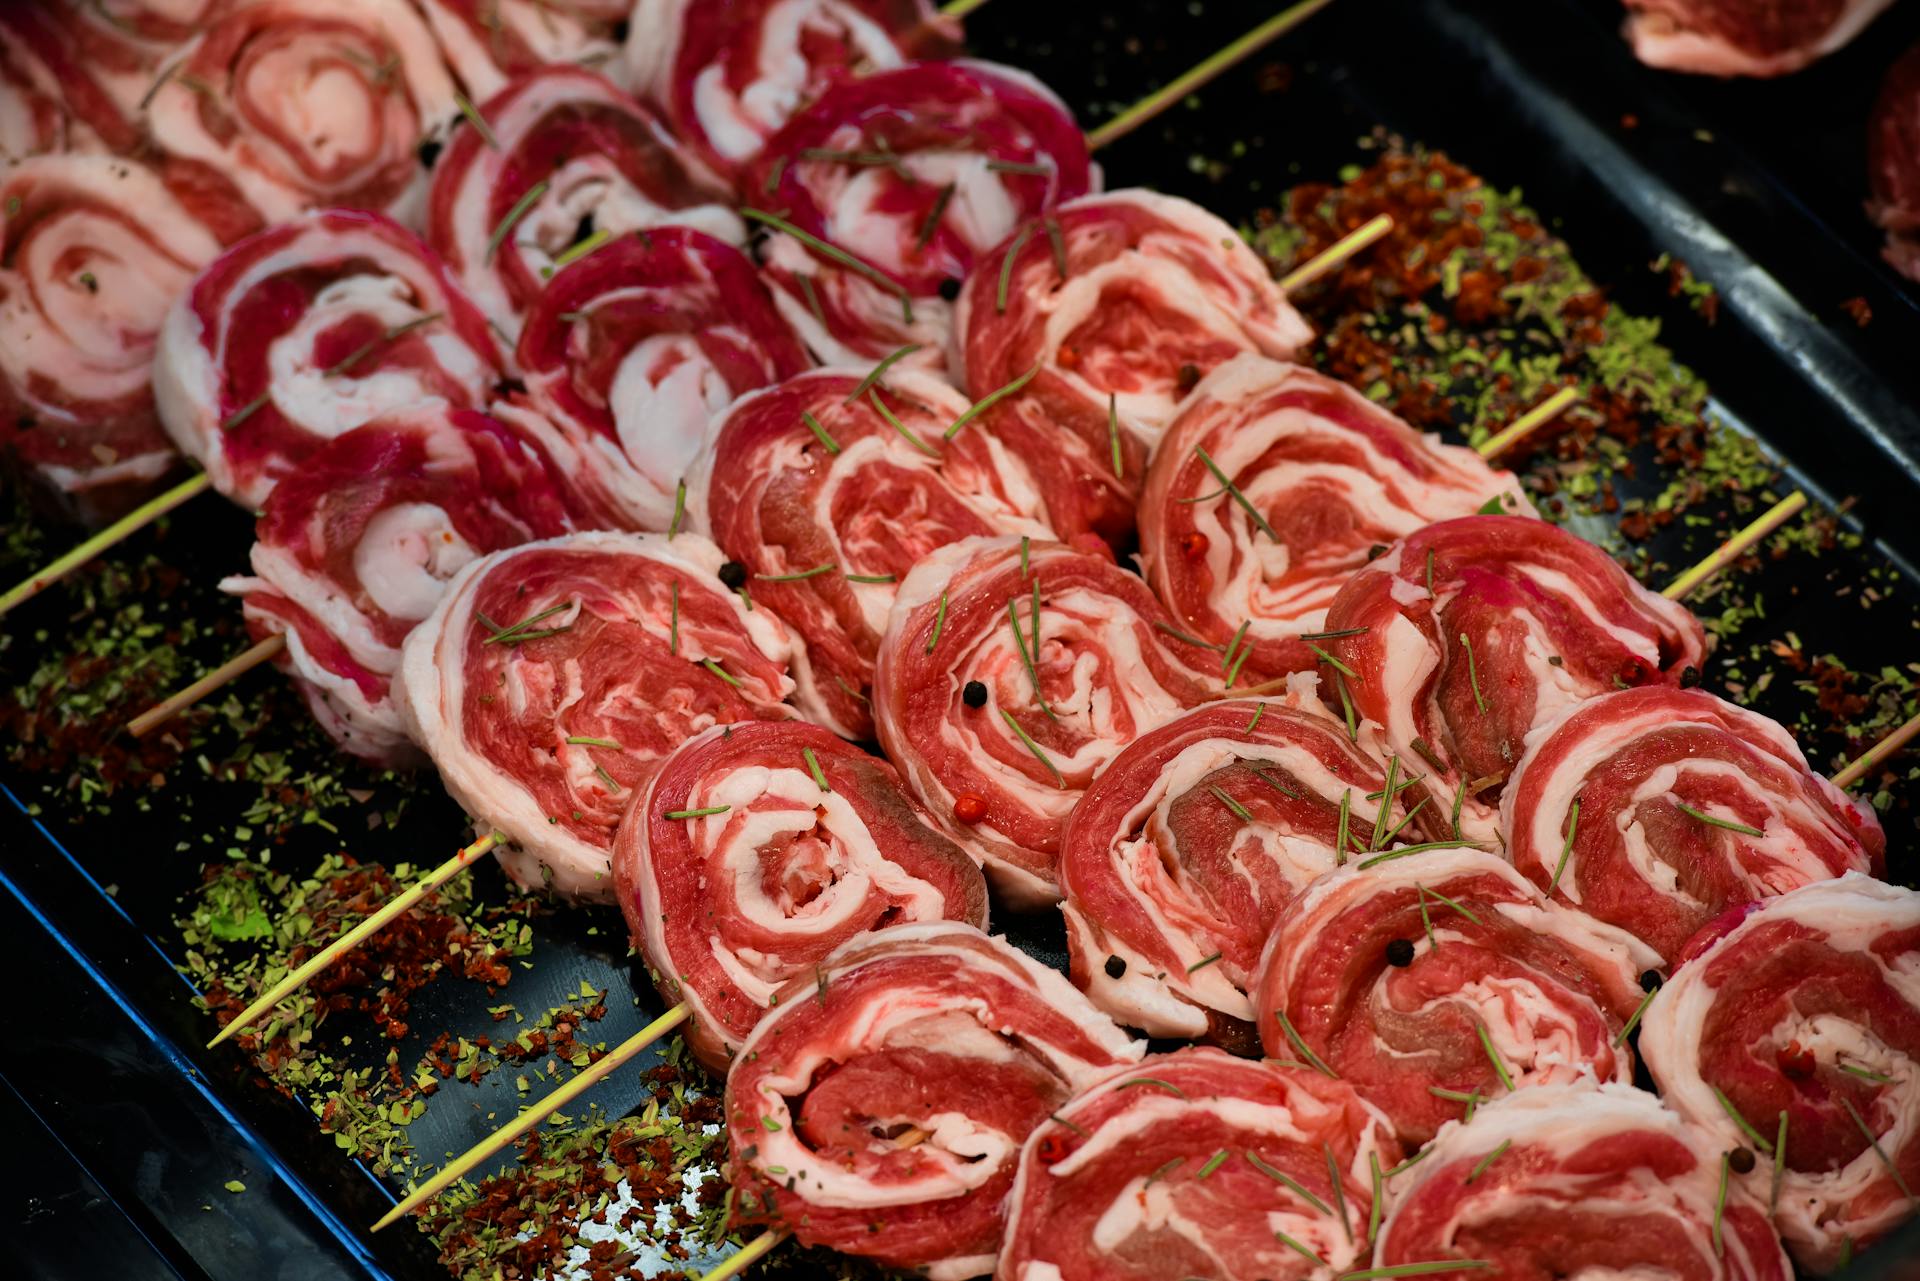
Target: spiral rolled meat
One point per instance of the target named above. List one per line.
(631, 352)
(796, 843)
(828, 525)
(1198, 1164)
(247, 100)
(1331, 476)
(93, 251)
(1470, 634)
(70, 79)
(552, 678)
(919, 173)
(1073, 658)
(1578, 1180)
(1435, 979)
(1798, 1018)
(305, 331)
(355, 548)
(488, 43)
(1688, 805)
(1180, 857)
(728, 76)
(1893, 163)
(880, 1106)
(570, 156)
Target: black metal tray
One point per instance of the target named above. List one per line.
(130, 1131)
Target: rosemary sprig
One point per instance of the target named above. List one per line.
(1426, 920)
(902, 428)
(1335, 663)
(1346, 708)
(813, 767)
(608, 780)
(679, 509)
(819, 432)
(1493, 1056)
(582, 740)
(1457, 906)
(1281, 1177)
(989, 400)
(1061, 1120)
(1779, 1163)
(1240, 811)
(1384, 811)
(1753, 1135)
(1873, 1141)
(1300, 1046)
(1720, 1204)
(1863, 1073)
(1406, 819)
(1058, 239)
(673, 635)
(1203, 963)
(872, 578)
(1345, 631)
(1274, 783)
(1421, 848)
(1154, 1081)
(1238, 497)
(1259, 710)
(1059, 779)
(478, 121)
(1339, 1191)
(1015, 166)
(721, 672)
(701, 813)
(1113, 431)
(1416, 1269)
(1340, 836)
(514, 215)
(1481, 1167)
(931, 223)
(1298, 1248)
(1566, 850)
(519, 631)
(577, 250)
(1430, 593)
(879, 371)
(1473, 675)
(1711, 821)
(1411, 1161)
(246, 411)
(939, 622)
(837, 254)
(1213, 1163)
(815, 572)
(1027, 659)
(1375, 1194)
(1179, 635)
(1006, 268)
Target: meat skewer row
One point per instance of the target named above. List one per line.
(564, 150)
(828, 489)
(1655, 809)
(933, 1027)
(1790, 1034)
(1196, 1163)
(1435, 979)
(755, 852)
(1184, 852)
(1578, 1179)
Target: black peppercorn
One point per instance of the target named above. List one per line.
(950, 288)
(734, 575)
(429, 152)
(974, 695)
(1115, 967)
(1189, 377)
(1400, 953)
(1689, 676)
(1650, 980)
(1740, 1161)
(1376, 551)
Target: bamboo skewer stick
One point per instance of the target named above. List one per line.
(534, 1115)
(1336, 253)
(1879, 752)
(1528, 423)
(957, 9)
(1737, 546)
(1225, 60)
(166, 709)
(358, 934)
(121, 530)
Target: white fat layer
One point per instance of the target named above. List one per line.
(1815, 1210)
(664, 395)
(879, 324)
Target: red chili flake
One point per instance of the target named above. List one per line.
(1795, 1060)
(1194, 544)
(1859, 309)
(970, 808)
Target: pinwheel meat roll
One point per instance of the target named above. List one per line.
(1744, 37)
(1437, 979)
(93, 250)
(632, 351)
(1893, 162)
(1577, 1180)
(572, 160)
(1798, 1019)
(1471, 633)
(490, 42)
(1180, 857)
(728, 76)
(758, 849)
(917, 173)
(1688, 805)
(302, 108)
(306, 331)
(827, 524)
(355, 548)
(552, 678)
(67, 81)
(1329, 475)
(1198, 1164)
(1010, 673)
(880, 1106)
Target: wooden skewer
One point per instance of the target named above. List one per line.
(1225, 60)
(358, 934)
(1878, 752)
(128, 525)
(167, 708)
(1528, 423)
(957, 9)
(532, 1116)
(1736, 547)
(1336, 253)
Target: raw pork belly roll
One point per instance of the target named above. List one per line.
(1578, 1181)
(1332, 476)
(489, 42)
(67, 81)
(1893, 162)
(918, 173)
(304, 332)
(1194, 1164)
(355, 548)
(1688, 805)
(1798, 1019)
(758, 849)
(1178, 860)
(1435, 980)
(880, 1106)
(302, 107)
(552, 678)
(93, 251)
(727, 76)
(1522, 620)
(827, 525)
(633, 350)
(1718, 38)
(998, 724)
(570, 157)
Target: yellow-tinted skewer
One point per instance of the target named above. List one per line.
(1528, 423)
(957, 9)
(326, 956)
(167, 708)
(1878, 752)
(128, 525)
(1737, 546)
(1336, 253)
(533, 1115)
